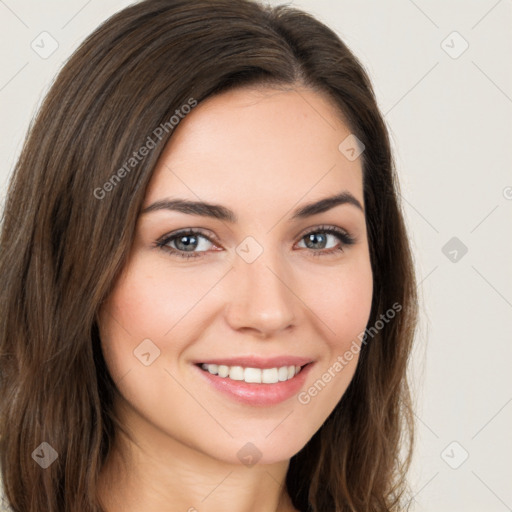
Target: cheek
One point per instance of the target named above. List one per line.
(348, 310)
(148, 301)
(342, 300)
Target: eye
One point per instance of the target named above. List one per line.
(319, 237)
(184, 243)
(192, 243)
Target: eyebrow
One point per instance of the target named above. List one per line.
(220, 212)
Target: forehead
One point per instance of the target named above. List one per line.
(250, 145)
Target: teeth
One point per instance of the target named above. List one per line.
(236, 373)
(253, 375)
(282, 373)
(269, 376)
(223, 370)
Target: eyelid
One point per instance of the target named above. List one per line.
(213, 238)
(345, 237)
(328, 227)
(209, 235)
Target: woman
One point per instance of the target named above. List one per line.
(208, 297)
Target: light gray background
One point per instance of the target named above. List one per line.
(450, 118)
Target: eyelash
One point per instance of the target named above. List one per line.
(345, 238)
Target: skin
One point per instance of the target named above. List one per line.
(261, 152)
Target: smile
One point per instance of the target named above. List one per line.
(253, 375)
(256, 381)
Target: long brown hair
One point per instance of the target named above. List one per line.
(68, 226)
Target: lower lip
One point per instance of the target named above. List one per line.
(257, 394)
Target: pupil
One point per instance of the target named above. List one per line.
(314, 238)
(187, 244)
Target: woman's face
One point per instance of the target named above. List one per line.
(269, 285)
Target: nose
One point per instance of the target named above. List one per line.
(262, 300)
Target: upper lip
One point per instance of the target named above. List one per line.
(258, 362)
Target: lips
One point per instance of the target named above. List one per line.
(256, 381)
